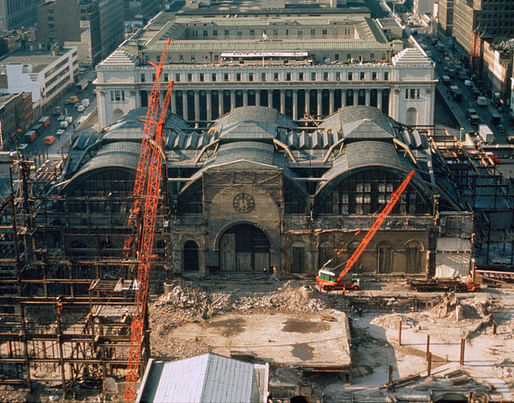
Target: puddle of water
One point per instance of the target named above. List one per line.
(302, 351)
(230, 327)
(304, 326)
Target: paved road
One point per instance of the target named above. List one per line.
(38, 146)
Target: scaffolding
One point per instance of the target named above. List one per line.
(482, 187)
(66, 288)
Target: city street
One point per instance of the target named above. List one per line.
(38, 146)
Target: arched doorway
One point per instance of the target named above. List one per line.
(412, 116)
(117, 115)
(244, 247)
(191, 256)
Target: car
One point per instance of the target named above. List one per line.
(501, 128)
(60, 132)
(61, 117)
(48, 140)
(81, 108)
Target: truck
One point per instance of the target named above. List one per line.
(458, 95)
(8, 156)
(81, 85)
(486, 134)
(482, 101)
(474, 119)
(444, 284)
(45, 121)
(495, 118)
(30, 136)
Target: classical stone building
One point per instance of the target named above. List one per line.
(255, 190)
(302, 64)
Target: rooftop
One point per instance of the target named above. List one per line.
(38, 59)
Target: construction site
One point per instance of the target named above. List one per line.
(158, 240)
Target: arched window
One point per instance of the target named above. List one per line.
(191, 256)
(414, 252)
(384, 258)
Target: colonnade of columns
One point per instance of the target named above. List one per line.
(208, 105)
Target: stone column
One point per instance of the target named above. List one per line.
(355, 96)
(208, 105)
(331, 102)
(258, 97)
(282, 102)
(197, 105)
(379, 99)
(318, 98)
(368, 97)
(185, 109)
(232, 99)
(173, 103)
(308, 102)
(220, 103)
(245, 97)
(295, 105)
(343, 98)
(270, 98)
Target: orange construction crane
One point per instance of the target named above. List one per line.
(146, 197)
(327, 278)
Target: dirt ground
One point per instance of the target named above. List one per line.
(488, 356)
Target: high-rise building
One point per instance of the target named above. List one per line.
(137, 13)
(445, 13)
(18, 13)
(93, 26)
(493, 19)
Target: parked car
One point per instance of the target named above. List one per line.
(60, 132)
(61, 117)
(81, 108)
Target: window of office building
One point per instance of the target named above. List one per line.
(362, 75)
(350, 76)
(313, 76)
(143, 79)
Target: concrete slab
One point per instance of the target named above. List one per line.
(304, 340)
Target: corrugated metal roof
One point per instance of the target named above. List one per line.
(205, 378)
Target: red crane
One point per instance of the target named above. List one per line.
(326, 278)
(146, 197)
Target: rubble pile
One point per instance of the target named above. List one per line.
(391, 321)
(190, 303)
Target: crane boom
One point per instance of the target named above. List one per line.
(152, 113)
(146, 188)
(376, 225)
(327, 278)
